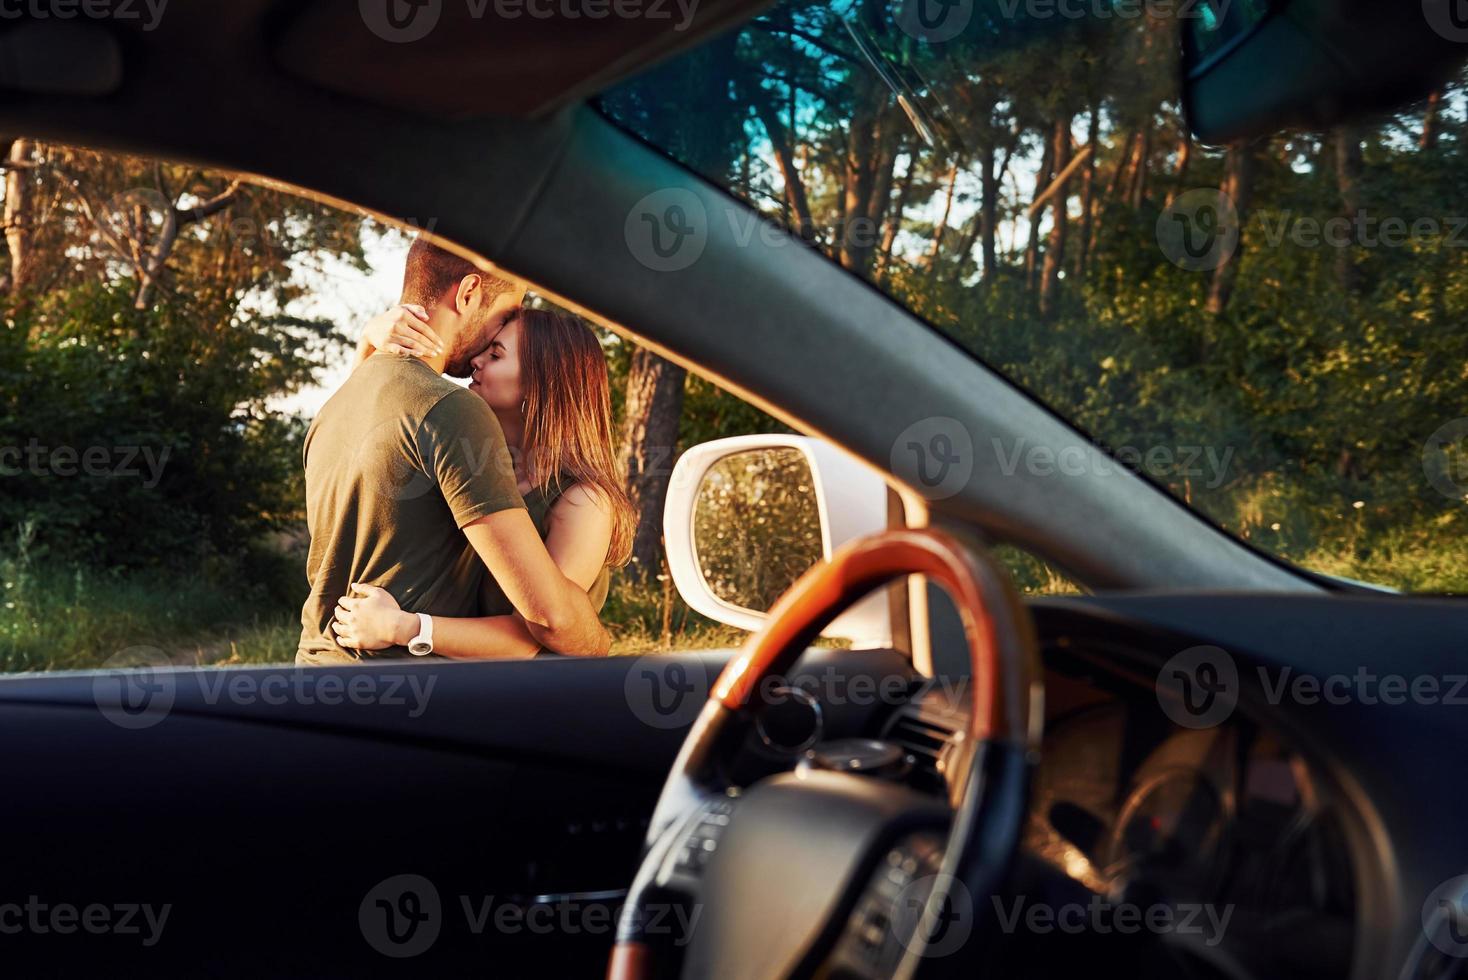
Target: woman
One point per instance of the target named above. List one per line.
(545, 378)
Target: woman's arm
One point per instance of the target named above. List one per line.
(580, 534)
(373, 620)
(403, 330)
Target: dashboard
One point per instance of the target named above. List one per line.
(1220, 851)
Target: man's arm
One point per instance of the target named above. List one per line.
(557, 612)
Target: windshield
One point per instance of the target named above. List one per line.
(1272, 330)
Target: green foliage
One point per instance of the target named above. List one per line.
(757, 526)
(1308, 387)
(141, 438)
(71, 616)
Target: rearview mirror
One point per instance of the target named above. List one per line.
(1252, 67)
(747, 516)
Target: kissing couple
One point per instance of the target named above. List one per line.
(467, 523)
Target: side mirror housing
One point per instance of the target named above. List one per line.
(748, 515)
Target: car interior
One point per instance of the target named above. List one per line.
(1001, 754)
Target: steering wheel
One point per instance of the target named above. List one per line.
(803, 870)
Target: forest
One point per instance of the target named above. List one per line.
(1015, 184)
(1020, 183)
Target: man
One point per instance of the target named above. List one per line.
(410, 487)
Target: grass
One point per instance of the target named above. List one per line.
(67, 618)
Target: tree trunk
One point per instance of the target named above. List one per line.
(1123, 165)
(1430, 121)
(881, 197)
(1088, 194)
(1347, 140)
(1238, 185)
(1059, 220)
(989, 211)
(1180, 175)
(942, 227)
(804, 225)
(650, 441)
(1032, 247)
(654, 396)
(1138, 191)
(859, 177)
(894, 220)
(20, 214)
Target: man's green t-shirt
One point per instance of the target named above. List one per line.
(398, 461)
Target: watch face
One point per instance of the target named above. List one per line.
(420, 649)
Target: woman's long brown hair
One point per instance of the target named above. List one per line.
(568, 416)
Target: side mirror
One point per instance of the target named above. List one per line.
(746, 516)
(1252, 67)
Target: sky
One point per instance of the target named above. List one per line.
(349, 298)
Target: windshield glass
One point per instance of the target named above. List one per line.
(1273, 330)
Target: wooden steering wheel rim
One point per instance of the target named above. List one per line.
(980, 593)
(1005, 672)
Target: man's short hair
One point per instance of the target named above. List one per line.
(432, 271)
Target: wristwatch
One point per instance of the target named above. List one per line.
(422, 644)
